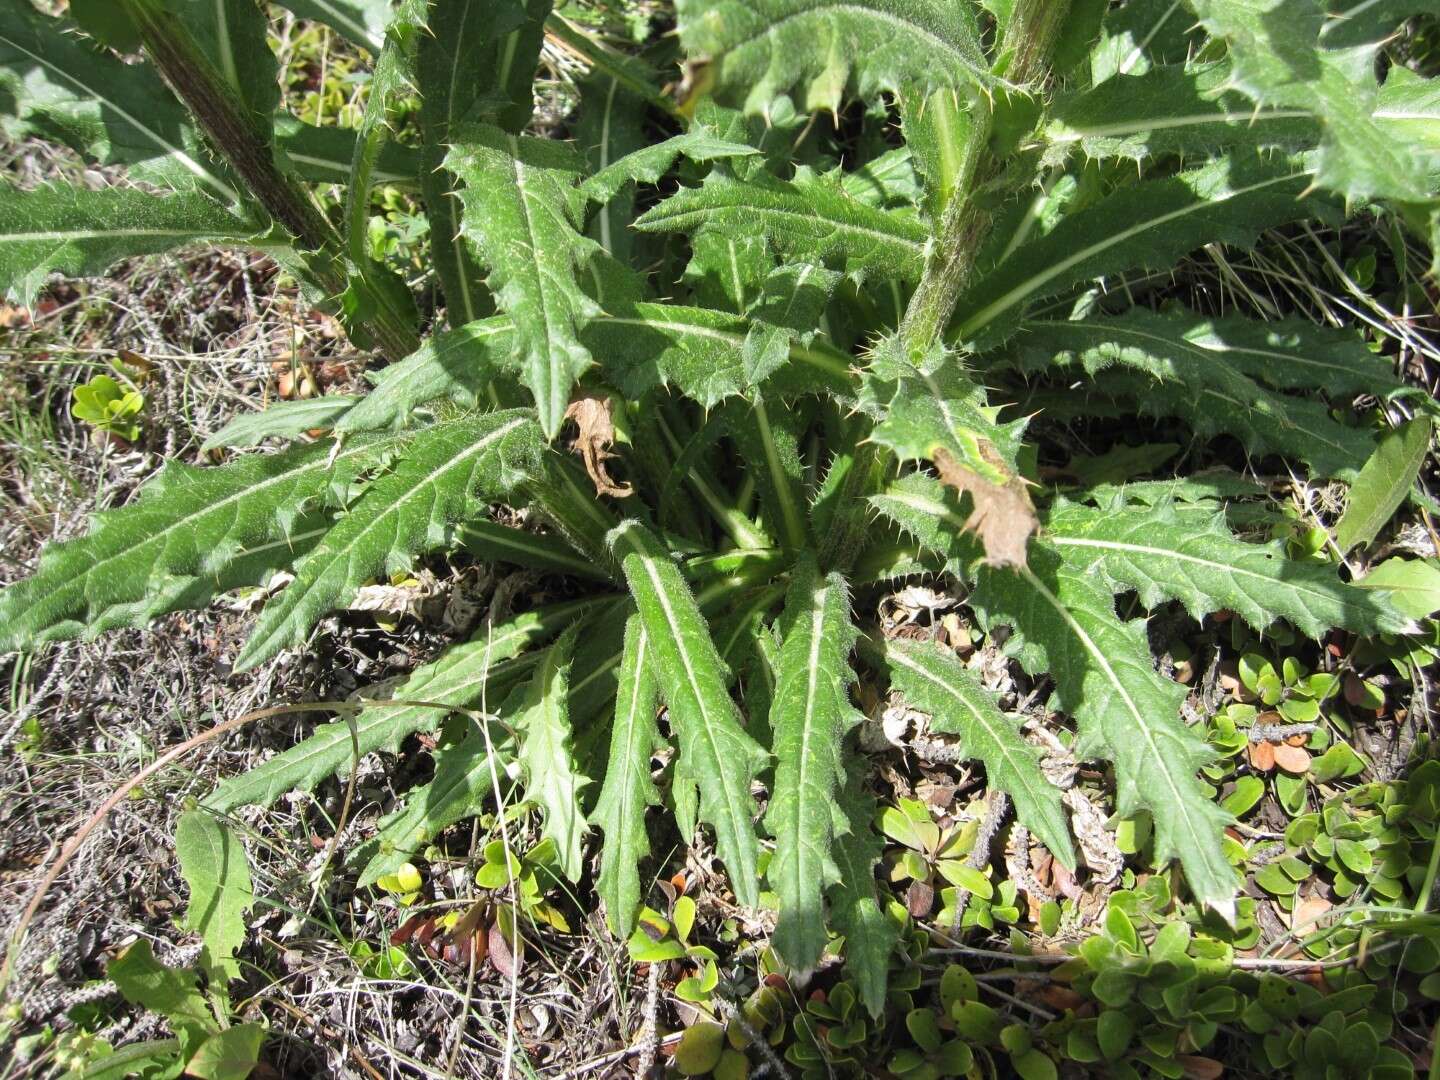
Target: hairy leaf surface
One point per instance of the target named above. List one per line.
(547, 756)
(213, 863)
(521, 214)
(811, 217)
(53, 84)
(628, 789)
(830, 50)
(1149, 224)
(80, 233)
(1166, 557)
(1104, 677)
(935, 681)
(809, 715)
(443, 474)
(1202, 371)
(190, 534)
(717, 757)
(479, 672)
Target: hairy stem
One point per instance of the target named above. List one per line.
(965, 221)
(231, 132)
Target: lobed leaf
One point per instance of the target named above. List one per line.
(59, 229)
(650, 163)
(1170, 110)
(192, 533)
(552, 779)
(1195, 560)
(935, 681)
(870, 935)
(1148, 224)
(1202, 371)
(521, 214)
(829, 50)
(466, 774)
(474, 673)
(809, 714)
(811, 218)
(628, 789)
(929, 410)
(717, 757)
(1282, 55)
(1065, 625)
(442, 475)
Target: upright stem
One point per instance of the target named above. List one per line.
(965, 222)
(224, 121)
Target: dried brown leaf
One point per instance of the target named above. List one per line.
(1002, 515)
(595, 435)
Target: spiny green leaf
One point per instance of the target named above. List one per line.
(1149, 224)
(1170, 110)
(442, 475)
(547, 756)
(282, 420)
(456, 364)
(1289, 354)
(1383, 483)
(830, 50)
(1202, 371)
(809, 715)
(934, 681)
(628, 789)
(1140, 35)
(1281, 57)
(811, 218)
(361, 21)
(214, 865)
(191, 534)
(716, 755)
(475, 64)
(1065, 625)
(1195, 560)
(702, 353)
(650, 163)
(928, 511)
(521, 212)
(67, 230)
(929, 410)
(54, 85)
(479, 672)
(869, 933)
(466, 775)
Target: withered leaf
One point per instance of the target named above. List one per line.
(1003, 517)
(595, 435)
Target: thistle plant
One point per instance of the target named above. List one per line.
(864, 232)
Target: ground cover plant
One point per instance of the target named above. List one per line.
(727, 362)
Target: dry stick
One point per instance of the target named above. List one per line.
(73, 845)
(980, 854)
